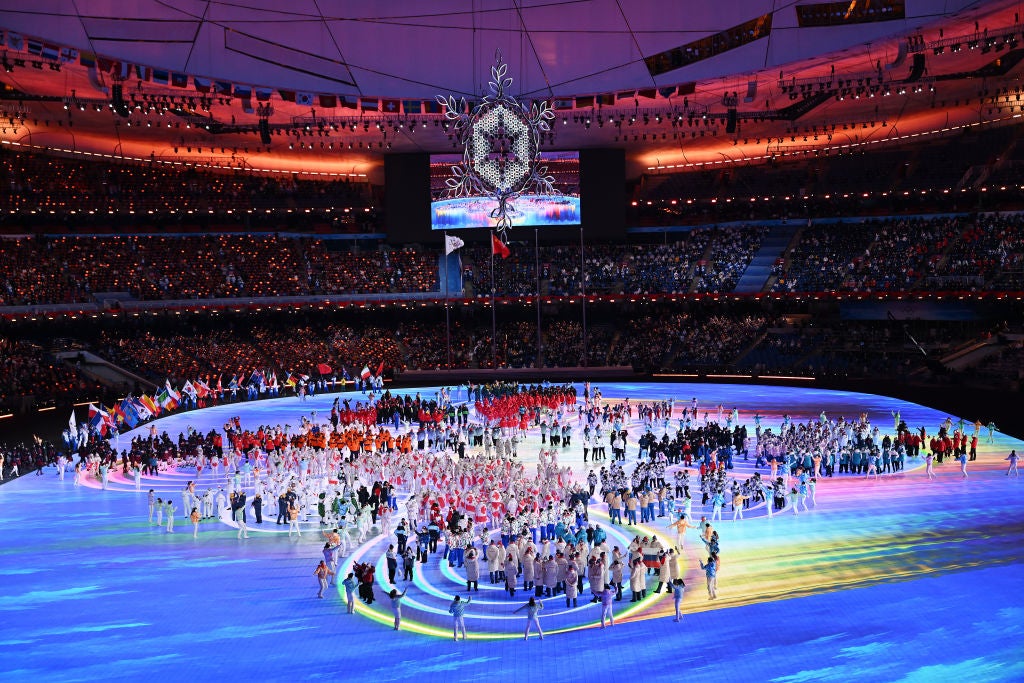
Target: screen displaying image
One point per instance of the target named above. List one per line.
(530, 209)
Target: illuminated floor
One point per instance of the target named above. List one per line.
(887, 580)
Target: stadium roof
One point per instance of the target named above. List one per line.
(675, 83)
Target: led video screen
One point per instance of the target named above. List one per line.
(452, 213)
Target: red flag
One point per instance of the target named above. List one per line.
(498, 247)
(380, 369)
(323, 368)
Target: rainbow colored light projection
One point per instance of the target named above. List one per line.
(894, 578)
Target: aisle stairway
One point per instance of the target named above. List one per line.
(772, 247)
(103, 371)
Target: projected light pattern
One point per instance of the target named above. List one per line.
(894, 579)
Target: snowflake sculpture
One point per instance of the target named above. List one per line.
(501, 147)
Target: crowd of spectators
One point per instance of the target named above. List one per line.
(369, 272)
(729, 256)
(902, 254)
(60, 270)
(235, 352)
(905, 254)
(987, 255)
(30, 376)
(716, 341)
(644, 341)
(716, 257)
(823, 258)
(869, 348)
(52, 185)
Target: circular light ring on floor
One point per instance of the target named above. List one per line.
(414, 605)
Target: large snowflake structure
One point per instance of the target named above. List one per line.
(500, 138)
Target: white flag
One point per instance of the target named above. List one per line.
(72, 423)
(451, 243)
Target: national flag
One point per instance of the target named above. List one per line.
(365, 373)
(412, 106)
(35, 46)
(344, 374)
(380, 369)
(368, 103)
(287, 95)
(327, 101)
(179, 80)
(117, 413)
(451, 243)
(323, 368)
(190, 390)
(625, 95)
(432, 107)
(170, 390)
(290, 381)
(143, 73)
(585, 102)
(304, 98)
(263, 94)
(688, 88)
(220, 388)
(149, 404)
(498, 247)
(202, 84)
(242, 92)
(105, 65)
(160, 76)
(72, 423)
(390, 106)
(650, 93)
(563, 104)
(141, 409)
(99, 419)
(348, 103)
(109, 416)
(202, 388)
(87, 59)
(129, 414)
(668, 92)
(233, 384)
(165, 400)
(257, 378)
(222, 87)
(68, 55)
(608, 99)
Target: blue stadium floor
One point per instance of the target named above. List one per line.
(894, 579)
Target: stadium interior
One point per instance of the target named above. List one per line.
(823, 195)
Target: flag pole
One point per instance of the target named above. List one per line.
(447, 315)
(583, 297)
(494, 317)
(536, 259)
